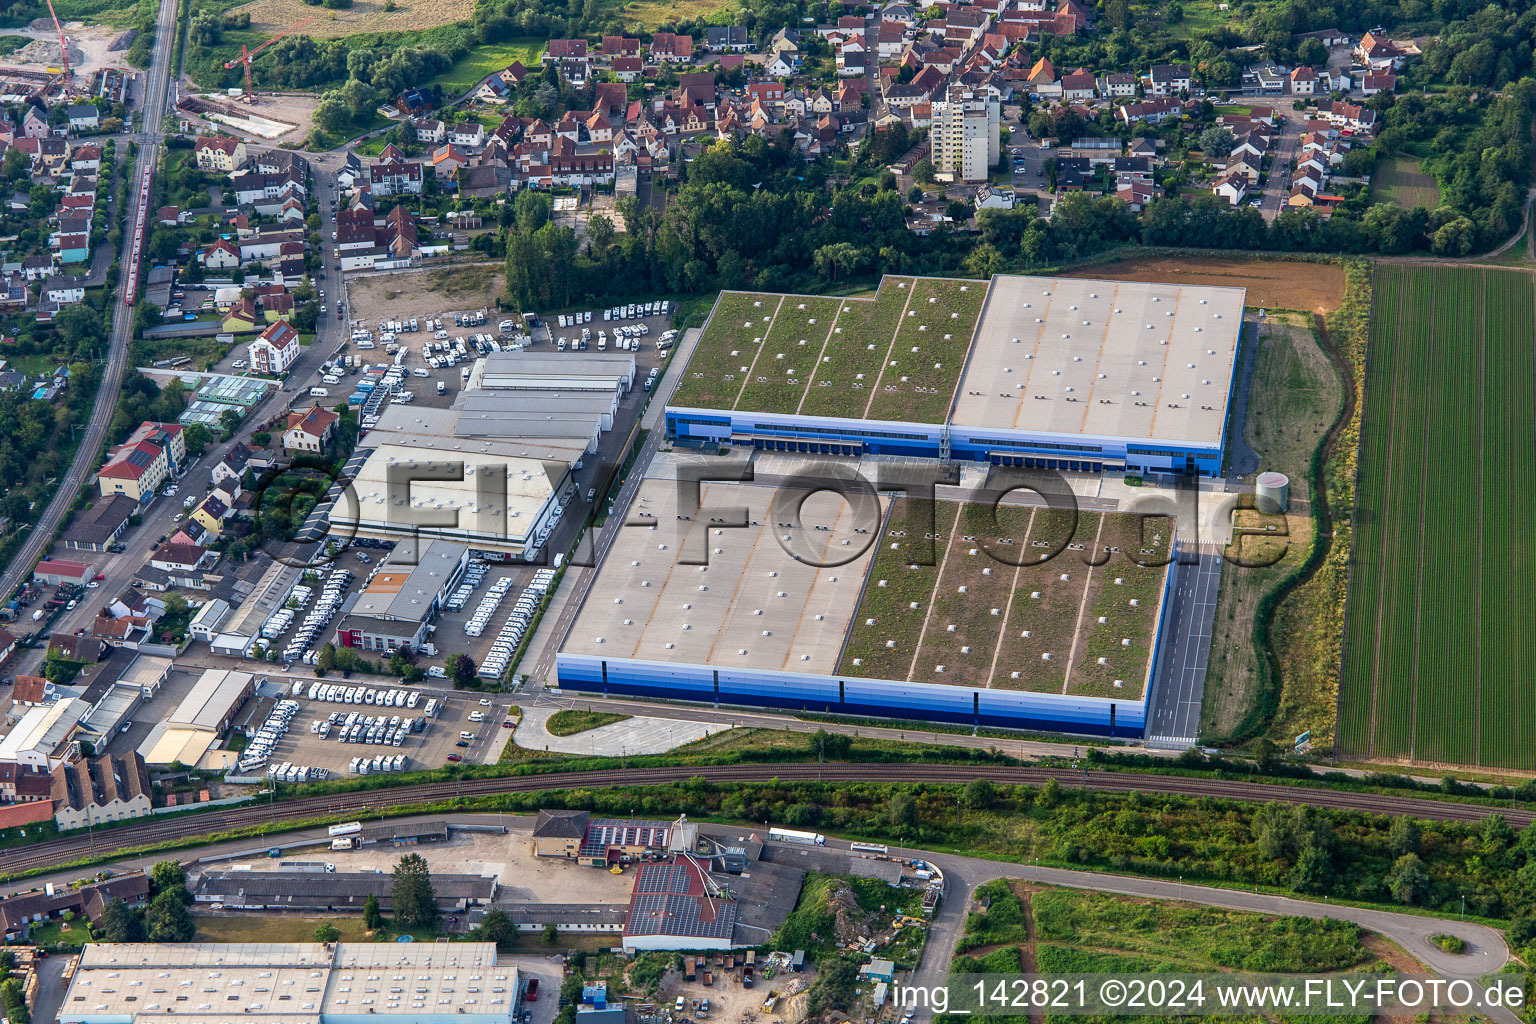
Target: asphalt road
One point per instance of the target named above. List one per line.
(1174, 717)
(1486, 949)
(157, 83)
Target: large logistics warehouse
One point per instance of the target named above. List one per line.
(1032, 619)
(1059, 373)
(310, 982)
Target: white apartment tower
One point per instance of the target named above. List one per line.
(965, 134)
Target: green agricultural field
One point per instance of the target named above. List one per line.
(1441, 631)
(1399, 180)
(969, 596)
(896, 356)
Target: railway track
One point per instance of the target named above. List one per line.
(55, 852)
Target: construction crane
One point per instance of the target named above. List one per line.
(63, 46)
(246, 56)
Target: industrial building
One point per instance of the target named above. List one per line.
(676, 905)
(40, 740)
(749, 619)
(522, 418)
(94, 791)
(312, 983)
(392, 613)
(1081, 375)
(332, 891)
(190, 732)
(20, 911)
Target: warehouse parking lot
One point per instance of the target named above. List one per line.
(450, 636)
(429, 748)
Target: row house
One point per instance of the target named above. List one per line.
(671, 47)
(727, 39)
(1151, 111)
(1351, 116)
(619, 46)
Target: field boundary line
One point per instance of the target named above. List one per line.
(1002, 635)
(1418, 576)
(1082, 607)
(890, 349)
(1477, 615)
(811, 381)
(1386, 498)
(747, 377)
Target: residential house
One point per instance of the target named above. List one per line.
(1168, 79)
(83, 117)
(493, 90)
(1117, 85)
(430, 130)
(565, 49)
(221, 254)
(671, 47)
(619, 46)
(64, 289)
(210, 515)
(309, 430)
(1233, 188)
(467, 135)
(242, 317)
(1078, 86)
(1302, 81)
(627, 69)
(727, 39)
(86, 159)
(1151, 111)
(275, 349)
(222, 153)
(1377, 52)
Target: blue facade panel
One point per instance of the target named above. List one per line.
(879, 698)
(926, 441)
(804, 433)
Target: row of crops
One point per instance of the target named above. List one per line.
(1441, 630)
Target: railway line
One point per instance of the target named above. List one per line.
(106, 842)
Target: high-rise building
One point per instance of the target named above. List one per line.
(965, 134)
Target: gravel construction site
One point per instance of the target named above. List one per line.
(292, 109)
(421, 293)
(90, 47)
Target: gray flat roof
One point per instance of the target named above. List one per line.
(401, 591)
(433, 431)
(1114, 359)
(752, 597)
(211, 698)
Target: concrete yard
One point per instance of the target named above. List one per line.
(617, 739)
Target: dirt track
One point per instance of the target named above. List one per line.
(1277, 284)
